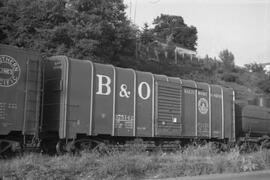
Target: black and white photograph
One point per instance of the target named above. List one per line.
(135, 89)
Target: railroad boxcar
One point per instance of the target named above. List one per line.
(86, 100)
(20, 90)
(68, 101)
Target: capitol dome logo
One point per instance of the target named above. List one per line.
(203, 106)
(9, 71)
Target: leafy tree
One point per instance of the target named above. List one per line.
(210, 65)
(147, 35)
(265, 85)
(231, 77)
(227, 58)
(173, 29)
(78, 28)
(254, 67)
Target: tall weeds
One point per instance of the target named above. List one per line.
(134, 163)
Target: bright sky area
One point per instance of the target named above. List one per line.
(241, 26)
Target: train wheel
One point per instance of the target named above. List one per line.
(5, 147)
(9, 148)
(255, 147)
(248, 147)
(48, 146)
(61, 148)
(85, 144)
(265, 145)
(89, 145)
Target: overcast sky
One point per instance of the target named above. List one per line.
(242, 26)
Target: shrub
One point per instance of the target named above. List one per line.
(190, 161)
(229, 77)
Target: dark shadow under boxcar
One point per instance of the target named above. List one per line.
(20, 82)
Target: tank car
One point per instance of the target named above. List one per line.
(253, 124)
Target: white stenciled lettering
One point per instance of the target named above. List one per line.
(189, 91)
(148, 90)
(124, 121)
(123, 92)
(201, 93)
(216, 95)
(104, 85)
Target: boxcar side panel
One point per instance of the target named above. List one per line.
(168, 99)
(104, 99)
(175, 80)
(189, 117)
(216, 104)
(228, 113)
(144, 105)
(124, 122)
(203, 106)
(79, 98)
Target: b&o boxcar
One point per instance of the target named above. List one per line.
(91, 101)
(73, 103)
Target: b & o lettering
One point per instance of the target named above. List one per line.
(148, 90)
(104, 85)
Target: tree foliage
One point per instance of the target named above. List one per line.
(77, 28)
(173, 29)
(99, 30)
(227, 58)
(265, 85)
(254, 67)
(147, 35)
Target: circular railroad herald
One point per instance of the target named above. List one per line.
(203, 106)
(9, 71)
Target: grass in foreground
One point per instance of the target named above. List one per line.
(191, 161)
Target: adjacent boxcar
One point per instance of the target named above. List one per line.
(20, 87)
